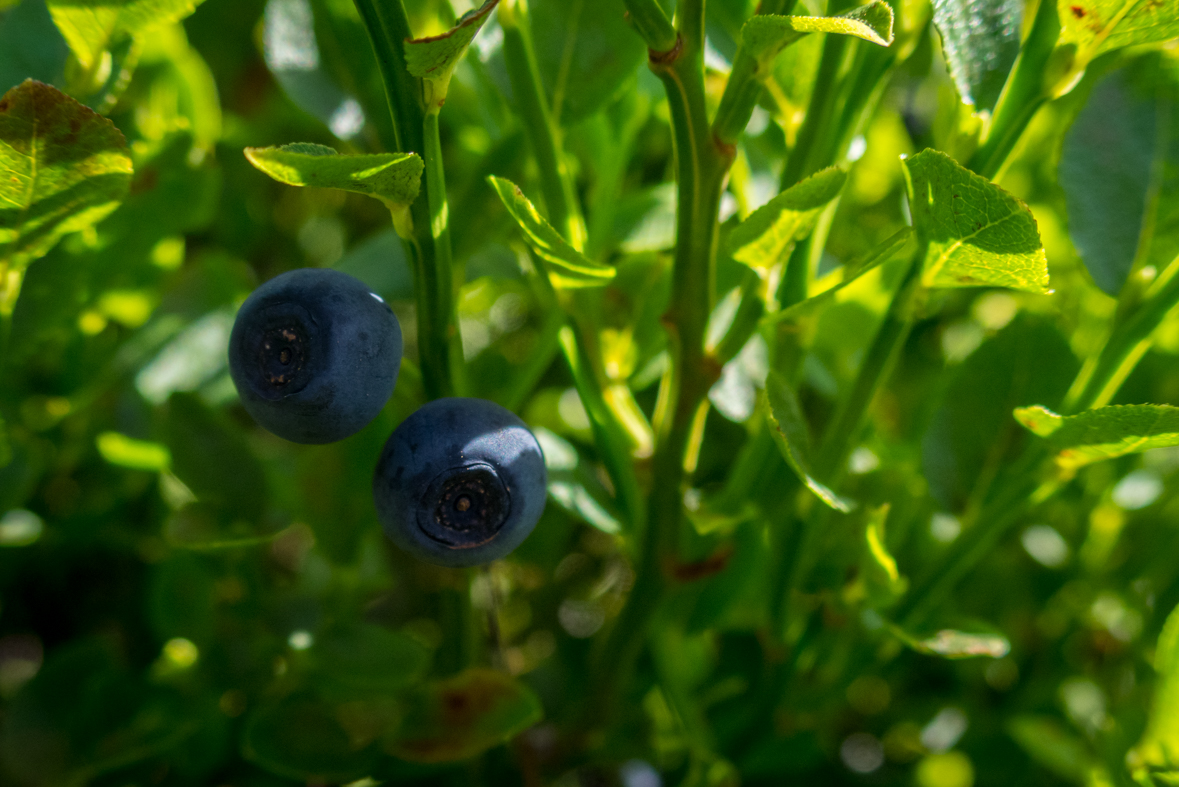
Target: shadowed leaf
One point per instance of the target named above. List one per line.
(1104, 432)
(980, 39)
(978, 234)
(567, 267)
(371, 658)
(465, 715)
(303, 738)
(789, 430)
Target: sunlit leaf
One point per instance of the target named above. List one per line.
(1097, 26)
(91, 27)
(119, 449)
(954, 644)
(890, 248)
(65, 169)
(304, 738)
(789, 429)
(978, 234)
(393, 178)
(574, 485)
(882, 580)
(768, 233)
(567, 267)
(765, 35)
(1159, 747)
(434, 59)
(1104, 432)
(465, 715)
(980, 41)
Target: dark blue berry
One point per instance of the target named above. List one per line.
(460, 482)
(314, 355)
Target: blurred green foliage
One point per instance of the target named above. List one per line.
(864, 570)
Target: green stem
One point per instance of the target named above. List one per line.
(744, 86)
(447, 348)
(1126, 345)
(439, 346)
(651, 22)
(1023, 95)
(555, 180)
(701, 164)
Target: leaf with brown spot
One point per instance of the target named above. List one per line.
(465, 715)
(64, 168)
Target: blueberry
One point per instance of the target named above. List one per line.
(460, 482)
(314, 355)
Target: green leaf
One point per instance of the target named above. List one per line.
(1159, 747)
(30, 45)
(1104, 432)
(465, 715)
(118, 449)
(882, 580)
(765, 35)
(213, 460)
(766, 236)
(305, 738)
(585, 52)
(1049, 743)
(293, 55)
(978, 234)
(567, 267)
(574, 485)
(365, 658)
(954, 644)
(66, 168)
(434, 59)
(1118, 168)
(393, 178)
(970, 435)
(1097, 26)
(789, 430)
(980, 39)
(91, 27)
(890, 248)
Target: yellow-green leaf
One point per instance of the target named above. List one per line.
(65, 168)
(118, 449)
(767, 234)
(978, 234)
(393, 178)
(852, 271)
(435, 58)
(1104, 432)
(882, 580)
(789, 430)
(1097, 26)
(567, 267)
(765, 35)
(1159, 747)
(91, 27)
(954, 644)
(465, 715)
